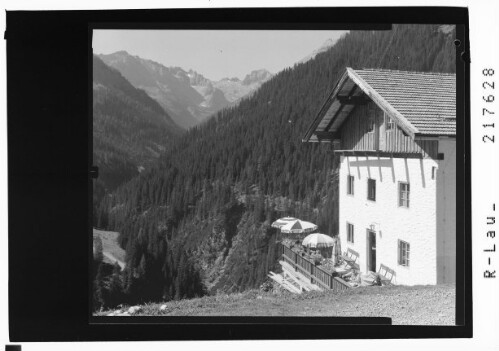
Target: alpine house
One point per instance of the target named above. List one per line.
(395, 134)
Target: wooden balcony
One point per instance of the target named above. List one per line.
(317, 275)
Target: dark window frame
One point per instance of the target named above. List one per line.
(350, 185)
(371, 121)
(403, 253)
(404, 196)
(371, 189)
(389, 123)
(350, 234)
(371, 124)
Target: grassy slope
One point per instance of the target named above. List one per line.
(110, 246)
(417, 305)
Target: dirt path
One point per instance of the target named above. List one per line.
(114, 259)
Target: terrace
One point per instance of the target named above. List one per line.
(317, 270)
(305, 269)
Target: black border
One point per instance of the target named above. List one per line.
(49, 134)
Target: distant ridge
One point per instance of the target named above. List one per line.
(187, 96)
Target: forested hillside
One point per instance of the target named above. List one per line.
(130, 129)
(215, 192)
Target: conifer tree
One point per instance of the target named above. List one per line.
(115, 286)
(100, 293)
(98, 255)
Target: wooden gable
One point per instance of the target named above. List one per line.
(389, 120)
(368, 128)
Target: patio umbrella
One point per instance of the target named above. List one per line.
(298, 227)
(318, 240)
(283, 221)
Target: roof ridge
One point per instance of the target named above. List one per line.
(403, 71)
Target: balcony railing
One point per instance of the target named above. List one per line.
(315, 273)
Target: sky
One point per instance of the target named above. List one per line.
(216, 54)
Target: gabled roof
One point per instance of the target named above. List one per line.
(421, 104)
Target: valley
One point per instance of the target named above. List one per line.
(130, 129)
(187, 96)
(195, 220)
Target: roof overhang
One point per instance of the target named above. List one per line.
(433, 137)
(350, 91)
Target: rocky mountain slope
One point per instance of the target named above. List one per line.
(234, 89)
(188, 96)
(130, 129)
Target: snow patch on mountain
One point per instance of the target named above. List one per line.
(323, 48)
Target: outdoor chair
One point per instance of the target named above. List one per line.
(385, 274)
(350, 256)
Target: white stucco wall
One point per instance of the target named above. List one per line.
(446, 212)
(415, 225)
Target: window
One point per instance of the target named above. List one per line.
(350, 180)
(390, 125)
(404, 194)
(371, 112)
(371, 122)
(350, 232)
(371, 189)
(403, 253)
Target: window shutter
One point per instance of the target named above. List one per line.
(399, 253)
(400, 199)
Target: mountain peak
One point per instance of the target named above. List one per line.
(257, 76)
(328, 43)
(197, 78)
(117, 56)
(122, 53)
(324, 47)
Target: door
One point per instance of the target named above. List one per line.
(371, 250)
